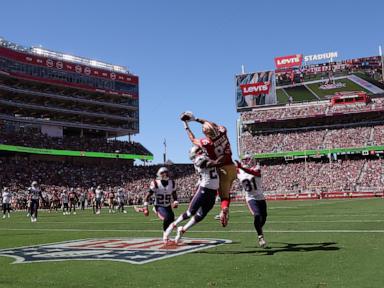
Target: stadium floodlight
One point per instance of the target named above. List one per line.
(37, 50)
(382, 62)
(98, 64)
(68, 57)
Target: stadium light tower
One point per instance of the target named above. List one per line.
(382, 62)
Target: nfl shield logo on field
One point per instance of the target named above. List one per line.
(129, 250)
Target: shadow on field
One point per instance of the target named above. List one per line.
(285, 247)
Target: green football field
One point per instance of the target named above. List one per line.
(325, 243)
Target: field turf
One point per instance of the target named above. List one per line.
(300, 94)
(325, 243)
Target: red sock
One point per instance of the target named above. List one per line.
(225, 203)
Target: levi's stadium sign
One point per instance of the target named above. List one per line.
(255, 88)
(288, 61)
(296, 60)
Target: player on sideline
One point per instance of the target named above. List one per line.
(164, 190)
(98, 199)
(217, 147)
(64, 202)
(35, 193)
(7, 198)
(55, 202)
(82, 199)
(250, 179)
(121, 200)
(111, 200)
(73, 198)
(205, 196)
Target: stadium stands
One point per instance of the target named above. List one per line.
(309, 110)
(38, 140)
(312, 140)
(18, 173)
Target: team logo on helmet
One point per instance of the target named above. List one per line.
(128, 250)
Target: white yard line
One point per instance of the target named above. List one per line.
(313, 92)
(193, 231)
(231, 222)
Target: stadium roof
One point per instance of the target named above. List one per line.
(63, 56)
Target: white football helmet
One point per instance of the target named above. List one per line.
(247, 160)
(163, 173)
(194, 151)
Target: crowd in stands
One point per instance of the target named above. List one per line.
(39, 140)
(339, 176)
(306, 110)
(296, 177)
(54, 176)
(312, 139)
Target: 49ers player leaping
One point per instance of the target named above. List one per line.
(217, 146)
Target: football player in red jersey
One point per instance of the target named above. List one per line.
(217, 146)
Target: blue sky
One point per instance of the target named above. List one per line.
(187, 52)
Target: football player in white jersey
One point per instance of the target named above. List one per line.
(205, 196)
(65, 202)
(250, 179)
(7, 198)
(99, 194)
(35, 194)
(164, 190)
(121, 200)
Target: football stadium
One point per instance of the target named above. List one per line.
(287, 193)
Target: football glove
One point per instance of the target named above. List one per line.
(187, 116)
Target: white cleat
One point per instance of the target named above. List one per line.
(4, 216)
(9, 215)
(169, 230)
(74, 213)
(125, 212)
(97, 212)
(262, 242)
(179, 235)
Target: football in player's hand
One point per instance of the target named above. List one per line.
(146, 212)
(187, 116)
(175, 204)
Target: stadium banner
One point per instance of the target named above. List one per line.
(290, 61)
(255, 89)
(71, 153)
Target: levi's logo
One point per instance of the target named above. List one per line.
(289, 61)
(255, 88)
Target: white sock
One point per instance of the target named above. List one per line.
(190, 224)
(178, 220)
